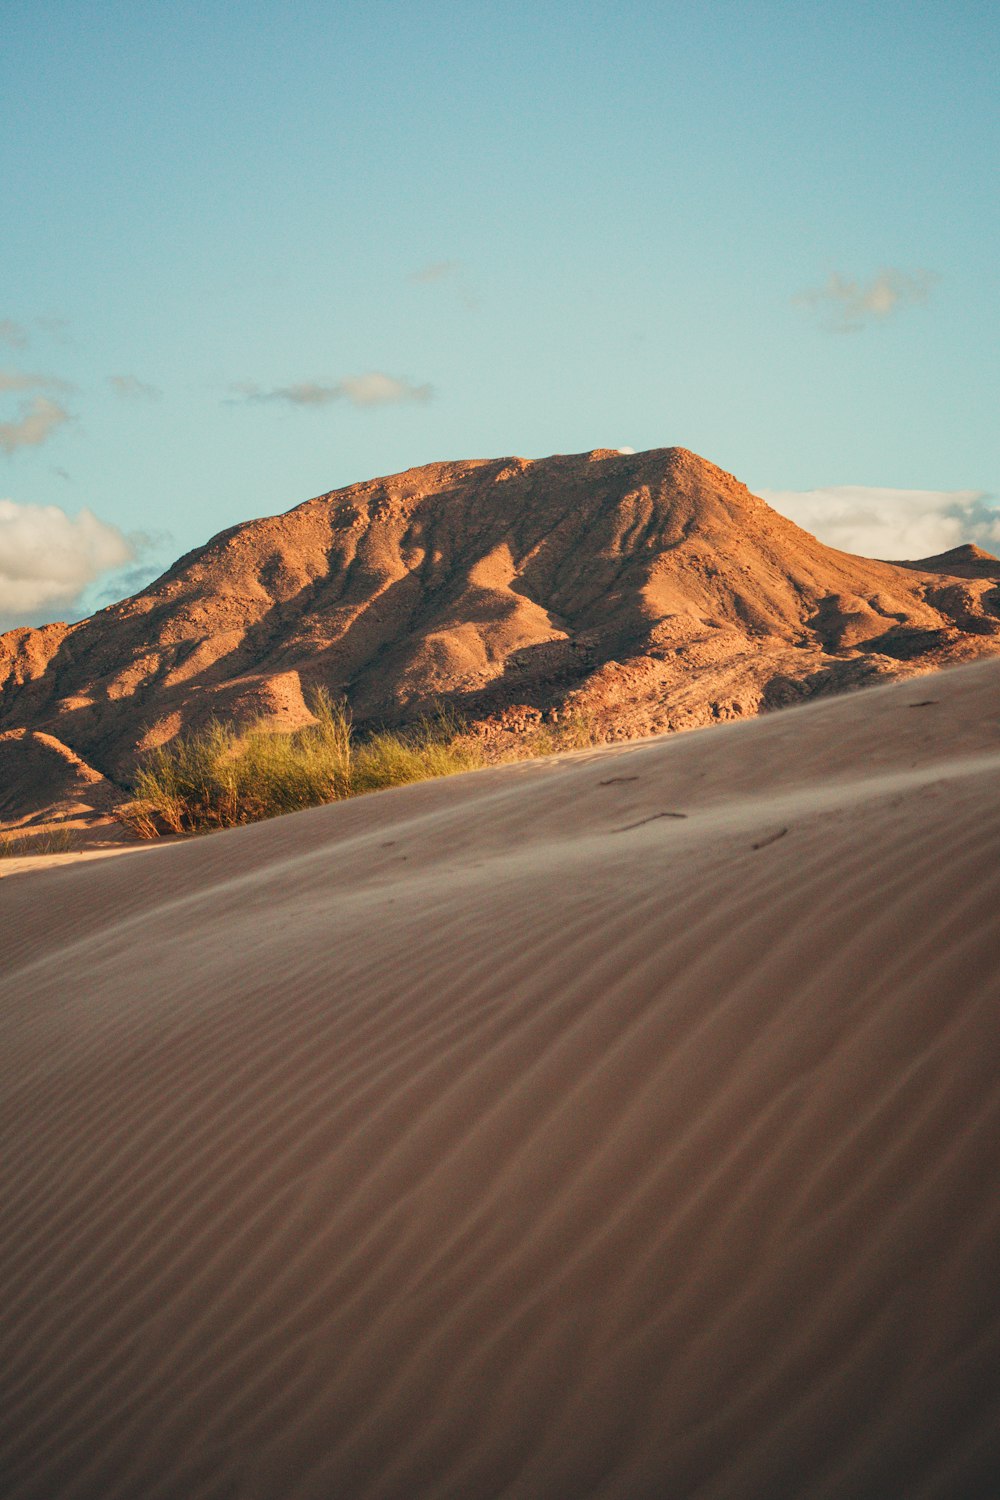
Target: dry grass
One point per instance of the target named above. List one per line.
(224, 776)
(53, 841)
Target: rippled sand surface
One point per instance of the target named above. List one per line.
(621, 1126)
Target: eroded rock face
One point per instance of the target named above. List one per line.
(651, 589)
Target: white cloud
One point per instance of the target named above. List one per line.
(371, 389)
(131, 388)
(624, 450)
(889, 523)
(47, 558)
(376, 389)
(852, 305)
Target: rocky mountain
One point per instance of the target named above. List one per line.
(652, 590)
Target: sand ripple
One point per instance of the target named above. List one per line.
(468, 1141)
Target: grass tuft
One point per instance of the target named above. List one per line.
(224, 777)
(54, 841)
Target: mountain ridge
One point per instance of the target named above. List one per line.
(652, 591)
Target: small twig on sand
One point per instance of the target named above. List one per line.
(651, 819)
(772, 838)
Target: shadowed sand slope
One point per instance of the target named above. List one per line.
(624, 1126)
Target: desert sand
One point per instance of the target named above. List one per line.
(618, 1126)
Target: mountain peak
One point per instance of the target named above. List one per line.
(649, 590)
(965, 561)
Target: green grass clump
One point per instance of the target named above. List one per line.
(224, 777)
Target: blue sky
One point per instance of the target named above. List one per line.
(253, 252)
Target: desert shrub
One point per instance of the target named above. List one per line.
(184, 785)
(436, 746)
(224, 776)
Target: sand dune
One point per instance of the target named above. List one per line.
(623, 1126)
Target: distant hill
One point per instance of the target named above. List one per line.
(652, 590)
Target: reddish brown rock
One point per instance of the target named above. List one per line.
(652, 590)
(43, 782)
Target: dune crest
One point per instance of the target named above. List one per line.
(621, 1126)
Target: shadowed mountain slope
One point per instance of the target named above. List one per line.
(651, 589)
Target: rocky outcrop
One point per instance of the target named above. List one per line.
(652, 590)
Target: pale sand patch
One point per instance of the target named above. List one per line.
(21, 864)
(514, 1136)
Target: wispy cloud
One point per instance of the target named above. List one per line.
(26, 380)
(47, 559)
(36, 420)
(36, 416)
(890, 523)
(303, 393)
(131, 388)
(371, 389)
(131, 581)
(12, 334)
(848, 306)
(438, 270)
(56, 328)
(450, 273)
